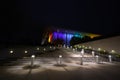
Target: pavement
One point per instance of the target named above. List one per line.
(50, 68)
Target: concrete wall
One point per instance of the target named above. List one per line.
(108, 44)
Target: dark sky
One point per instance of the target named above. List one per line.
(24, 20)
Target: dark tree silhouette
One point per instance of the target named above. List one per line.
(75, 40)
(85, 39)
(58, 42)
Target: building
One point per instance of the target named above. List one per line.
(61, 36)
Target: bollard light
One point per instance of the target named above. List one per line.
(90, 47)
(67, 47)
(110, 58)
(81, 58)
(11, 51)
(44, 49)
(73, 49)
(97, 59)
(54, 48)
(99, 49)
(82, 52)
(93, 53)
(112, 51)
(32, 60)
(86, 48)
(26, 51)
(76, 49)
(64, 46)
(33, 56)
(60, 56)
(38, 48)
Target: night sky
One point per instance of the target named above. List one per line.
(25, 20)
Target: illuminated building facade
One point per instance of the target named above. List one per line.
(66, 35)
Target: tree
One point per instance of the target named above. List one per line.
(75, 40)
(58, 42)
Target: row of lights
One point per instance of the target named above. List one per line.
(11, 51)
(44, 49)
(99, 49)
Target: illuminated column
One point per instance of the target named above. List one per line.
(110, 58)
(32, 60)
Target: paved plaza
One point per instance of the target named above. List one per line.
(48, 68)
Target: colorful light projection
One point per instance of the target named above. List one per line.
(67, 36)
(50, 37)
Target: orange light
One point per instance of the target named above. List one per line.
(50, 37)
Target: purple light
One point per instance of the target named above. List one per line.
(63, 36)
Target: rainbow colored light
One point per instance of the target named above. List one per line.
(66, 36)
(50, 37)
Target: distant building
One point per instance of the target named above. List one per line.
(64, 36)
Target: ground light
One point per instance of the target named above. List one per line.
(93, 53)
(54, 48)
(97, 59)
(82, 52)
(112, 51)
(60, 56)
(73, 50)
(44, 49)
(32, 60)
(11, 51)
(81, 58)
(110, 58)
(38, 48)
(64, 46)
(26, 51)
